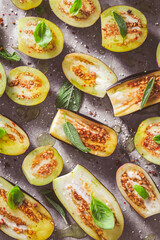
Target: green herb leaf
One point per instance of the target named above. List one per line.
(141, 191)
(2, 132)
(69, 97)
(14, 197)
(48, 194)
(157, 139)
(121, 24)
(74, 10)
(40, 9)
(73, 136)
(147, 92)
(6, 55)
(101, 213)
(42, 34)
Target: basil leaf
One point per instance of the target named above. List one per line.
(2, 132)
(147, 92)
(74, 10)
(157, 139)
(48, 194)
(141, 191)
(40, 9)
(101, 213)
(69, 97)
(14, 197)
(6, 55)
(121, 24)
(73, 136)
(42, 34)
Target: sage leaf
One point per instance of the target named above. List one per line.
(141, 191)
(2, 132)
(101, 213)
(42, 34)
(121, 24)
(157, 139)
(73, 136)
(69, 97)
(48, 194)
(6, 55)
(74, 10)
(147, 92)
(14, 197)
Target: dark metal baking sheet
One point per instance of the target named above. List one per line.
(123, 64)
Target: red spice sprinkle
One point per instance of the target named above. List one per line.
(13, 124)
(124, 202)
(29, 51)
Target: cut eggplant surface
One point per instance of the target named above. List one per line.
(15, 141)
(27, 86)
(126, 95)
(101, 139)
(74, 191)
(88, 73)
(26, 4)
(144, 142)
(2, 80)
(42, 165)
(130, 175)
(27, 44)
(158, 54)
(87, 16)
(136, 24)
(30, 221)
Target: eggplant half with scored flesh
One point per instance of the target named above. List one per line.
(29, 221)
(42, 165)
(136, 28)
(13, 140)
(144, 141)
(87, 15)
(126, 95)
(3, 80)
(27, 43)
(101, 139)
(75, 189)
(138, 189)
(88, 73)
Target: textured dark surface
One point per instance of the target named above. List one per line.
(123, 64)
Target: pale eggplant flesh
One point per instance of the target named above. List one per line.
(126, 95)
(101, 139)
(74, 191)
(30, 221)
(129, 175)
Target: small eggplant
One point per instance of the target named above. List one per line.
(29, 221)
(130, 175)
(144, 139)
(101, 139)
(74, 190)
(126, 95)
(158, 54)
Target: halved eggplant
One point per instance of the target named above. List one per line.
(88, 73)
(158, 54)
(126, 95)
(2, 80)
(144, 142)
(27, 44)
(26, 4)
(101, 139)
(129, 175)
(27, 86)
(74, 191)
(30, 221)
(15, 141)
(42, 165)
(136, 29)
(87, 16)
